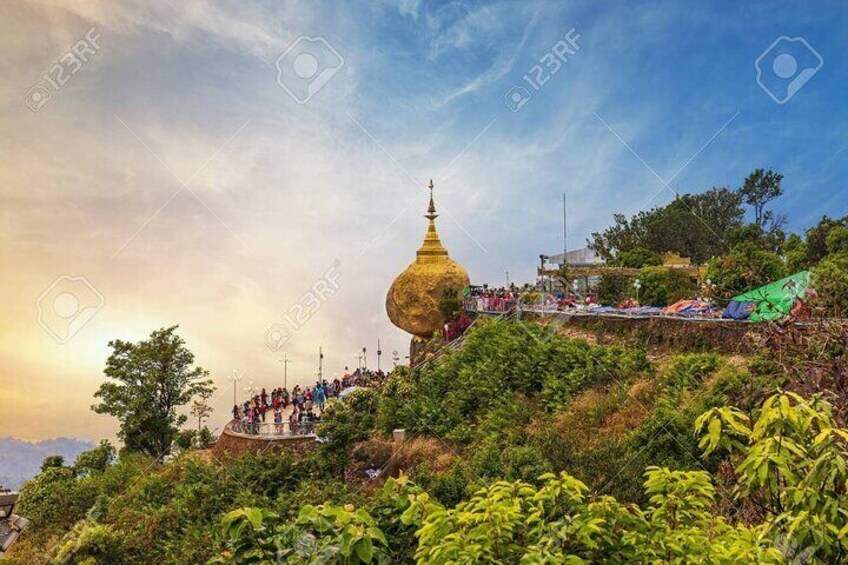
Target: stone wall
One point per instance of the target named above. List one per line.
(230, 443)
(657, 332)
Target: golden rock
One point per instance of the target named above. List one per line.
(412, 302)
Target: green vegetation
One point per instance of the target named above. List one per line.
(154, 378)
(522, 447)
(739, 256)
(636, 258)
(746, 267)
(450, 306)
(694, 225)
(614, 288)
(663, 287)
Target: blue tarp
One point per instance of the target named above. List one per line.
(739, 310)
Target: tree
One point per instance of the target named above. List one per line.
(52, 461)
(693, 225)
(816, 238)
(449, 305)
(837, 239)
(201, 410)
(662, 286)
(154, 377)
(795, 251)
(637, 258)
(831, 282)
(745, 268)
(760, 188)
(97, 459)
(613, 288)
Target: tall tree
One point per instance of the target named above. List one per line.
(693, 225)
(151, 379)
(760, 188)
(201, 410)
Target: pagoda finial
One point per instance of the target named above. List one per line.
(431, 209)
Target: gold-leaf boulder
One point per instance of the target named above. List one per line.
(412, 302)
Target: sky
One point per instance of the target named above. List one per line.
(215, 164)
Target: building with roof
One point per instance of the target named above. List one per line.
(11, 525)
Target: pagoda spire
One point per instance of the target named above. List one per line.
(431, 209)
(432, 246)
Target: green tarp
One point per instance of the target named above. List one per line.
(775, 300)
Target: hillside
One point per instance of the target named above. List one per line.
(612, 437)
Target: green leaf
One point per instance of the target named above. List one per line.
(365, 550)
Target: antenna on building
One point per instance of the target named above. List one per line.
(564, 233)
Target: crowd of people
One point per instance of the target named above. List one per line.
(485, 299)
(307, 404)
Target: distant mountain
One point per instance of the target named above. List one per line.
(21, 460)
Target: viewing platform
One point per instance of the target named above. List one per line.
(265, 437)
(270, 430)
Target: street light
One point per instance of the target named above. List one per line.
(637, 284)
(234, 378)
(285, 361)
(250, 390)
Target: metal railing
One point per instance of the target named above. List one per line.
(272, 430)
(509, 307)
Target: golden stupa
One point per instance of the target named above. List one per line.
(413, 299)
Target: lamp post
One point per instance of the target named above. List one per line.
(637, 284)
(361, 357)
(542, 259)
(320, 364)
(708, 288)
(395, 357)
(285, 361)
(379, 352)
(250, 390)
(234, 378)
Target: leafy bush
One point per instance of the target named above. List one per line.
(95, 460)
(90, 543)
(516, 522)
(793, 466)
(637, 258)
(662, 286)
(345, 423)
(837, 240)
(687, 372)
(449, 304)
(614, 288)
(745, 268)
(524, 463)
(831, 281)
(452, 487)
(328, 533)
(56, 498)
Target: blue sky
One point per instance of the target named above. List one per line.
(277, 190)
